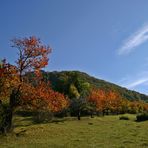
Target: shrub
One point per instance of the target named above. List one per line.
(124, 118)
(142, 117)
(42, 116)
(25, 113)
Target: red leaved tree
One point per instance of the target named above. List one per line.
(105, 100)
(32, 56)
(42, 97)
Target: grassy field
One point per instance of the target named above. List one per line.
(98, 132)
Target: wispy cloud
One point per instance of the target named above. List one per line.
(131, 82)
(136, 39)
(138, 82)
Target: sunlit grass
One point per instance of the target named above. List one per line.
(106, 132)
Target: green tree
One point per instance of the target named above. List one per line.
(78, 92)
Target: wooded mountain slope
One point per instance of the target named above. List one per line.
(61, 81)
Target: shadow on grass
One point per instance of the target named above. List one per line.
(139, 121)
(22, 122)
(21, 133)
(26, 121)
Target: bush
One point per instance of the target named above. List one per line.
(42, 116)
(63, 113)
(25, 113)
(124, 118)
(142, 117)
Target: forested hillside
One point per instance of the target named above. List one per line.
(61, 81)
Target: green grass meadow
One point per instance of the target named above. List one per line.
(98, 132)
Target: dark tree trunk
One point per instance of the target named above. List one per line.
(7, 120)
(117, 112)
(91, 114)
(107, 112)
(79, 115)
(7, 126)
(103, 112)
(12, 104)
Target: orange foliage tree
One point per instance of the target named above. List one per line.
(43, 97)
(105, 100)
(138, 106)
(32, 56)
(96, 97)
(111, 101)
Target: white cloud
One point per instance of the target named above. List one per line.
(134, 40)
(138, 82)
(133, 82)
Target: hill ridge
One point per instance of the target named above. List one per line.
(59, 78)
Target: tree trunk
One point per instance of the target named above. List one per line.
(7, 125)
(79, 115)
(107, 112)
(117, 112)
(7, 121)
(103, 112)
(91, 114)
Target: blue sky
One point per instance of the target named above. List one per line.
(105, 38)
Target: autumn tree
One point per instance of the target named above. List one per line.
(53, 101)
(105, 100)
(43, 100)
(138, 106)
(32, 56)
(113, 102)
(145, 107)
(96, 97)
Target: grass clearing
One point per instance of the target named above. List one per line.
(98, 132)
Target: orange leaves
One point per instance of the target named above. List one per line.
(97, 96)
(138, 106)
(8, 79)
(55, 101)
(113, 102)
(1, 72)
(33, 55)
(43, 97)
(32, 41)
(145, 107)
(104, 100)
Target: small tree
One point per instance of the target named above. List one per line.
(97, 97)
(105, 101)
(79, 96)
(75, 100)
